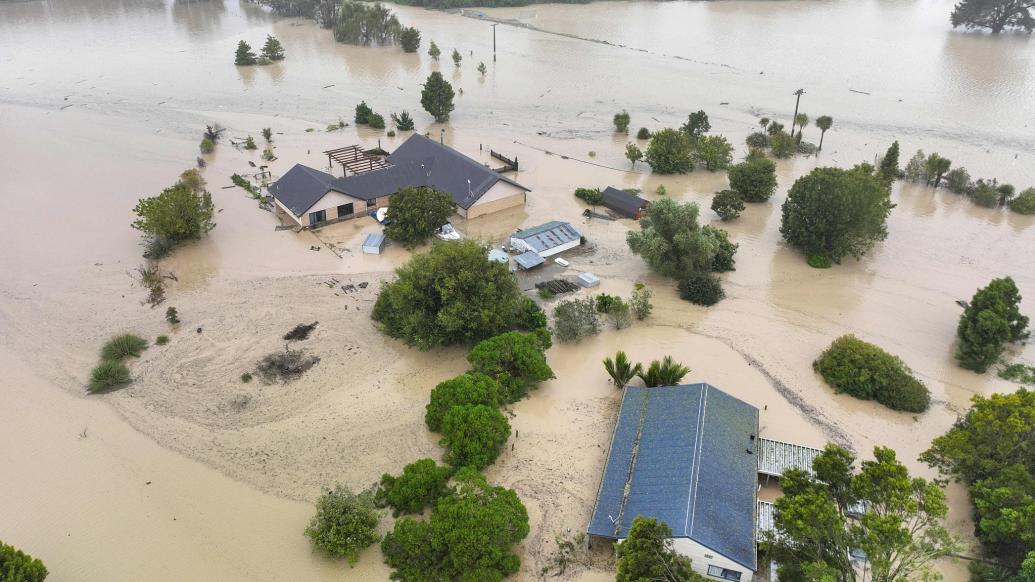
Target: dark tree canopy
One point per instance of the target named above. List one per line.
(448, 295)
(415, 214)
(244, 54)
(409, 39)
(647, 554)
(754, 179)
(992, 451)
(991, 320)
(470, 388)
(901, 527)
(516, 360)
(272, 50)
(17, 566)
(669, 152)
(437, 97)
(474, 435)
(727, 204)
(866, 371)
(995, 15)
(470, 535)
(888, 168)
(697, 125)
(672, 242)
(420, 485)
(836, 213)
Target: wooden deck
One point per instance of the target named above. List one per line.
(775, 457)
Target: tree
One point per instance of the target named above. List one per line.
(457, 58)
(643, 133)
(621, 121)
(995, 15)
(376, 121)
(985, 194)
(267, 134)
(669, 152)
(272, 50)
(833, 213)
(193, 179)
(416, 213)
(640, 301)
(901, 528)
(990, 320)
(782, 144)
(647, 554)
(344, 523)
(437, 96)
(724, 258)
(935, 167)
(244, 54)
(469, 536)
(516, 360)
(714, 151)
(1024, 203)
(754, 180)
(403, 121)
(671, 241)
(800, 120)
(450, 294)
(696, 125)
(366, 24)
(420, 485)
(178, 213)
(592, 196)
(664, 372)
(727, 204)
(888, 169)
(866, 371)
(958, 180)
(466, 389)
(434, 51)
(17, 566)
(701, 289)
(409, 39)
(482, 69)
(915, 170)
(990, 450)
(574, 319)
(474, 435)
(823, 122)
(621, 369)
(633, 153)
(363, 113)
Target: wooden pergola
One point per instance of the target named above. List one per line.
(355, 161)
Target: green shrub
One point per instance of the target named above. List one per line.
(727, 204)
(344, 523)
(363, 113)
(123, 346)
(207, 146)
(819, 262)
(532, 316)
(108, 374)
(246, 377)
(701, 288)
(605, 303)
(644, 133)
(991, 319)
(592, 196)
(574, 319)
(724, 258)
(754, 180)
(621, 121)
(376, 121)
(1024, 203)
(757, 140)
(640, 301)
(177, 213)
(161, 340)
(249, 144)
(516, 360)
(465, 389)
(985, 194)
(660, 190)
(474, 435)
(172, 316)
(409, 38)
(868, 372)
(420, 485)
(17, 566)
(391, 133)
(545, 293)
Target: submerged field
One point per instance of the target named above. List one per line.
(227, 470)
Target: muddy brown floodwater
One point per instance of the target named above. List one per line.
(189, 474)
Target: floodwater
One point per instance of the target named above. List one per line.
(103, 101)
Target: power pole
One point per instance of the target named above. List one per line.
(799, 93)
(494, 25)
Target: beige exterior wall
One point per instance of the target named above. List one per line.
(500, 197)
(703, 557)
(330, 203)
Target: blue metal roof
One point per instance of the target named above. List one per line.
(548, 235)
(680, 454)
(529, 259)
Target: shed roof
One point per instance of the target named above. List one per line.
(683, 455)
(623, 202)
(529, 259)
(549, 235)
(449, 170)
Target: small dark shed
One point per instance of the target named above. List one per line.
(624, 203)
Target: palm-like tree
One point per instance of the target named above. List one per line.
(801, 120)
(763, 122)
(621, 370)
(823, 122)
(663, 373)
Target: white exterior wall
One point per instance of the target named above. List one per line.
(559, 248)
(703, 557)
(288, 212)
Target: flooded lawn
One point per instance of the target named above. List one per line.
(103, 101)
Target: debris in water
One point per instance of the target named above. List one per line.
(300, 332)
(327, 86)
(285, 366)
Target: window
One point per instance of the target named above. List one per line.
(718, 572)
(372, 203)
(317, 217)
(345, 210)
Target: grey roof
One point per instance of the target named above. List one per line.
(529, 259)
(301, 187)
(623, 202)
(449, 170)
(419, 161)
(547, 236)
(681, 454)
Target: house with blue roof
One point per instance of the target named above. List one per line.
(685, 455)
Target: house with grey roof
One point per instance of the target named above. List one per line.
(685, 455)
(312, 197)
(547, 239)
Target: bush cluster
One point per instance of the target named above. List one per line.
(701, 289)
(111, 371)
(420, 485)
(17, 566)
(345, 523)
(868, 372)
(991, 320)
(592, 196)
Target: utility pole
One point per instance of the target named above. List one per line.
(799, 93)
(494, 25)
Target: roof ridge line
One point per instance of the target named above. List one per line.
(632, 461)
(695, 471)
